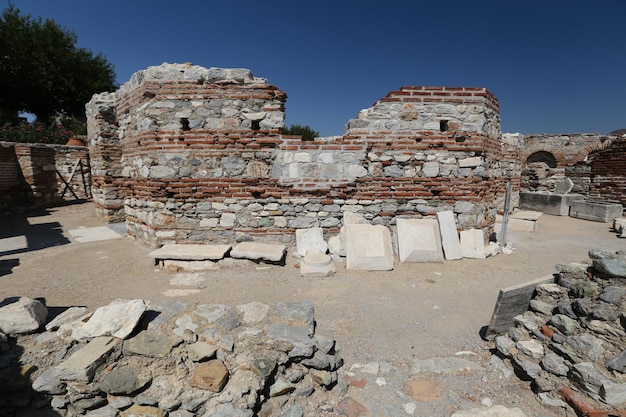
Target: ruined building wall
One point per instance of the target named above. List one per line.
(33, 174)
(203, 159)
(608, 174)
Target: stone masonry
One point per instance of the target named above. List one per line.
(197, 154)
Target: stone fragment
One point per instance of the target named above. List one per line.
(293, 411)
(228, 410)
(211, 376)
(68, 316)
(48, 383)
(541, 307)
(587, 344)
(554, 364)
(323, 378)
(253, 312)
(296, 312)
(106, 411)
(310, 240)
(124, 380)
(368, 247)
(264, 367)
(317, 264)
(613, 294)
(586, 289)
(200, 351)
(596, 385)
(190, 252)
(473, 244)
(152, 343)
(419, 240)
(504, 345)
(137, 410)
(493, 411)
(82, 364)
(259, 251)
(20, 315)
(610, 267)
(564, 187)
(423, 390)
(298, 335)
(532, 348)
(531, 369)
(281, 387)
(564, 324)
(449, 235)
(618, 363)
(117, 319)
(336, 246)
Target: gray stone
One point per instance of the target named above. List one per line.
(430, 169)
(300, 336)
(106, 411)
(531, 369)
(513, 301)
(82, 364)
(162, 312)
(19, 315)
(320, 360)
(153, 343)
(613, 294)
(564, 187)
(618, 363)
(554, 364)
(281, 387)
(566, 308)
(293, 411)
(461, 206)
(493, 411)
(597, 211)
(118, 319)
(564, 324)
(586, 377)
(541, 307)
(253, 312)
(228, 410)
(124, 380)
(504, 345)
(610, 267)
(259, 251)
(298, 312)
(566, 352)
(68, 316)
(586, 289)
(49, 383)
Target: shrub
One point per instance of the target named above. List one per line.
(35, 133)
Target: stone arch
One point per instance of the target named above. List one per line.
(542, 157)
(543, 168)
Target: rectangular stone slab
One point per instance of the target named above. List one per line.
(449, 235)
(190, 252)
(597, 211)
(473, 244)
(511, 302)
(255, 250)
(368, 248)
(82, 364)
(419, 240)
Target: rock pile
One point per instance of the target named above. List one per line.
(170, 359)
(574, 333)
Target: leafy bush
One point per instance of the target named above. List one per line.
(305, 131)
(35, 133)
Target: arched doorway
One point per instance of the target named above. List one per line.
(540, 172)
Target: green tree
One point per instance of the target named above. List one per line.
(43, 72)
(306, 132)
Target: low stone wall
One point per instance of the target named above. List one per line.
(129, 359)
(36, 174)
(574, 333)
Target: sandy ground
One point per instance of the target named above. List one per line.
(416, 311)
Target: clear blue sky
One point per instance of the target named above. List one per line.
(556, 66)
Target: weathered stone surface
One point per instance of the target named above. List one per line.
(200, 351)
(564, 187)
(253, 312)
(613, 294)
(618, 363)
(68, 316)
(554, 364)
(228, 410)
(190, 252)
(368, 247)
(611, 267)
(82, 365)
(443, 365)
(137, 410)
(124, 380)
(317, 264)
(565, 324)
(19, 315)
(532, 348)
(118, 319)
(153, 343)
(472, 244)
(419, 240)
(255, 250)
(531, 369)
(449, 235)
(49, 383)
(211, 376)
(310, 240)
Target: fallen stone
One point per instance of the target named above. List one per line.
(68, 316)
(449, 235)
(419, 240)
(586, 377)
(531, 369)
(532, 348)
(117, 319)
(554, 364)
(190, 252)
(211, 376)
(613, 294)
(473, 244)
(106, 411)
(82, 364)
(368, 248)
(310, 240)
(152, 343)
(21, 315)
(611, 267)
(317, 264)
(200, 351)
(125, 380)
(259, 251)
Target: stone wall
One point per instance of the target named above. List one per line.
(35, 174)
(197, 154)
(608, 173)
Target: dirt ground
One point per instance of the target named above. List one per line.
(416, 311)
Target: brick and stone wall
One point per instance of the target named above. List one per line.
(34, 174)
(608, 173)
(197, 154)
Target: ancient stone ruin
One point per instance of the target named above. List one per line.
(185, 153)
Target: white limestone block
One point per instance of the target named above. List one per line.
(118, 319)
(310, 240)
(317, 264)
(20, 315)
(449, 235)
(255, 250)
(368, 248)
(419, 240)
(473, 244)
(191, 252)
